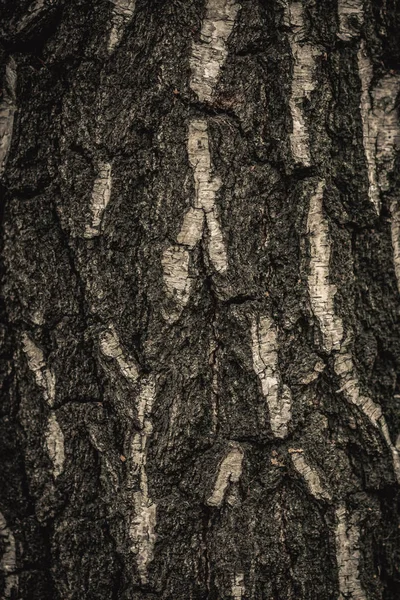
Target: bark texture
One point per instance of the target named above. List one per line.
(200, 339)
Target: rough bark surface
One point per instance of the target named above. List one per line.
(200, 339)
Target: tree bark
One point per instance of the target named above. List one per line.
(200, 317)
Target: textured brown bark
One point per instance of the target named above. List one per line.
(177, 422)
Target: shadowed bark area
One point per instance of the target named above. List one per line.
(200, 340)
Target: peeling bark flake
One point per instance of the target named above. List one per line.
(100, 198)
(209, 54)
(310, 476)
(45, 378)
(229, 471)
(303, 83)
(122, 14)
(348, 557)
(265, 362)
(55, 444)
(7, 111)
(8, 563)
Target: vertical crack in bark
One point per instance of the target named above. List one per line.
(8, 107)
(209, 54)
(229, 471)
(265, 362)
(310, 475)
(238, 589)
(143, 522)
(321, 293)
(100, 198)
(8, 563)
(351, 17)
(45, 379)
(122, 14)
(303, 82)
(348, 556)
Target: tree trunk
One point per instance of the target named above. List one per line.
(201, 273)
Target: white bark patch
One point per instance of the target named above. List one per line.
(122, 14)
(209, 54)
(8, 563)
(265, 363)
(348, 557)
(238, 589)
(393, 448)
(229, 471)
(322, 294)
(395, 232)
(321, 291)
(7, 111)
(111, 347)
(55, 444)
(100, 198)
(142, 527)
(175, 259)
(206, 186)
(175, 263)
(350, 13)
(45, 378)
(310, 476)
(370, 124)
(303, 83)
(192, 228)
(216, 246)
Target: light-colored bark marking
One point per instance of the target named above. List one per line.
(209, 54)
(175, 259)
(229, 471)
(8, 563)
(122, 14)
(381, 131)
(100, 198)
(111, 347)
(265, 362)
(348, 556)
(303, 82)
(45, 378)
(7, 111)
(175, 264)
(369, 124)
(395, 231)
(238, 589)
(142, 527)
(350, 12)
(310, 476)
(55, 444)
(321, 291)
